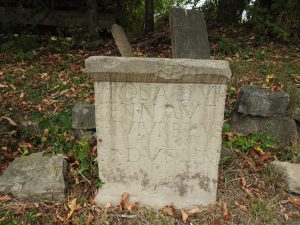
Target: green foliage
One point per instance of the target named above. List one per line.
(226, 46)
(62, 141)
(226, 128)
(261, 142)
(81, 153)
(281, 19)
(20, 47)
(259, 208)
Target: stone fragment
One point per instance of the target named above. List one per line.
(35, 177)
(257, 101)
(159, 128)
(283, 129)
(188, 34)
(292, 174)
(83, 116)
(121, 41)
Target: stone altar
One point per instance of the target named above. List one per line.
(159, 126)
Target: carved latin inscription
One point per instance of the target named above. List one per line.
(159, 124)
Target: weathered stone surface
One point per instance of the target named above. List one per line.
(296, 114)
(257, 101)
(83, 116)
(159, 141)
(35, 177)
(283, 129)
(188, 34)
(292, 174)
(298, 128)
(121, 41)
(153, 70)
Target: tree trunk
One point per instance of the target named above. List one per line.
(93, 17)
(149, 16)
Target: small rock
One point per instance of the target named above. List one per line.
(292, 174)
(283, 129)
(257, 101)
(83, 116)
(35, 177)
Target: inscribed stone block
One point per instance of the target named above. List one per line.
(188, 34)
(159, 125)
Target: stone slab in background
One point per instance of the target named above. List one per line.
(83, 116)
(35, 177)
(188, 34)
(284, 129)
(292, 173)
(257, 101)
(121, 41)
(160, 125)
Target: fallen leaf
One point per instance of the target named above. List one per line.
(131, 207)
(259, 150)
(242, 207)
(124, 198)
(194, 210)
(295, 201)
(248, 192)
(11, 122)
(72, 207)
(184, 216)
(90, 219)
(5, 198)
(244, 182)
(168, 210)
(225, 211)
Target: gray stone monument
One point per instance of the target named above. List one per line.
(188, 34)
(159, 126)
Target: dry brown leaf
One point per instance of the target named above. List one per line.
(216, 222)
(242, 207)
(131, 207)
(168, 210)
(124, 198)
(184, 216)
(60, 218)
(248, 192)
(252, 165)
(4, 218)
(244, 182)
(11, 122)
(5, 198)
(295, 201)
(194, 210)
(90, 219)
(24, 145)
(225, 211)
